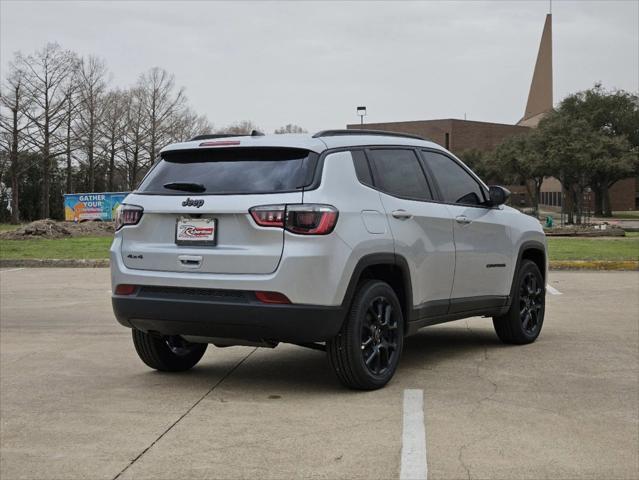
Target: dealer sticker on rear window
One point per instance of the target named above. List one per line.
(195, 231)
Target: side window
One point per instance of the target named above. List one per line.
(399, 173)
(361, 167)
(456, 185)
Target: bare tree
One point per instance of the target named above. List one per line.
(187, 124)
(47, 74)
(290, 128)
(162, 103)
(70, 138)
(245, 127)
(91, 90)
(113, 130)
(135, 138)
(12, 126)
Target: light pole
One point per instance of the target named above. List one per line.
(361, 111)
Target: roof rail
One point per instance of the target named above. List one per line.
(211, 136)
(359, 131)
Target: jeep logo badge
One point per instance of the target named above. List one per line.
(192, 203)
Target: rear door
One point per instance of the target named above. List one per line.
(422, 230)
(483, 248)
(196, 210)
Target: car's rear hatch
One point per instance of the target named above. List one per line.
(210, 192)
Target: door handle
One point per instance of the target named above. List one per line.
(463, 219)
(401, 214)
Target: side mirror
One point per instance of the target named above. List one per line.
(498, 195)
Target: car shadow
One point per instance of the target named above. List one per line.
(308, 370)
(433, 346)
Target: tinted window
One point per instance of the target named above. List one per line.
(399, 173)
(456, 185)
(227, 171)
(361, 167)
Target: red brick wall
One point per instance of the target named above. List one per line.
(623, 194)
(463, 134)
(481, 135)
(433, 130)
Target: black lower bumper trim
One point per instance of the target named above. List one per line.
(229, 319)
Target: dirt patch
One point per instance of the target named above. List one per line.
(594, 265)
(585, 231)
(48, 228)
(54, 263)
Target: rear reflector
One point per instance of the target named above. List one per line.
(272, 297)
(219, 143)
(124, 289)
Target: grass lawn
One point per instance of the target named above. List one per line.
(570, 248)
(74, 247)
(560, 248)
(7, 226)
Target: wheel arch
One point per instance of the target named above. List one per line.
(536, 252)
(390, 268)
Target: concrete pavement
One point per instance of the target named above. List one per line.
(76, 402)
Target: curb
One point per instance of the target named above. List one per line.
(610, 265)
(54, 263)
(104, 263)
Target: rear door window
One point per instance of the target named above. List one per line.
(230, 171)
(399, 173)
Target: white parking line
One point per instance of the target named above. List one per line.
(553, 290)
(12, 270)
(413, 465)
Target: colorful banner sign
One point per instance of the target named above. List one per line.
(79, 207)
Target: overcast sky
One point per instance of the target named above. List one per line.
(312, 63)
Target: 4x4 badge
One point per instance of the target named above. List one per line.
(192, 203)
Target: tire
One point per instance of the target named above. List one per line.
(523, 321)
(167, 354)
(370, 331)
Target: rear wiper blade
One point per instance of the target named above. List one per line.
(185, 186)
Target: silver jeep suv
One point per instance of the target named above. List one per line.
(346, 241)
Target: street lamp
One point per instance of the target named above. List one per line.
(361, 111)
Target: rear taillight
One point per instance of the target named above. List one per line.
(269, 215)
(309, 219)
(127, 215)
(303, 219)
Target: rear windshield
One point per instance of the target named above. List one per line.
(230, 171)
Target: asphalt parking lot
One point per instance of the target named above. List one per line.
(76, 402)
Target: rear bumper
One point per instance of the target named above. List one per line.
(225, 314)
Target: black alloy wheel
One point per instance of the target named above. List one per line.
(522, 323)
(530, 304)
(379, 336)
(366, 351)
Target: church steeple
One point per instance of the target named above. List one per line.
(540, 95)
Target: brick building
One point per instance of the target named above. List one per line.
(459, 135)
(455, 135)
